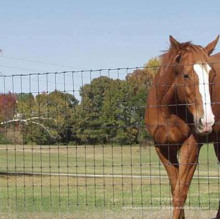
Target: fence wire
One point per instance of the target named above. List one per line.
(74, 144)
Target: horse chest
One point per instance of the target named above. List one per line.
(183, 113)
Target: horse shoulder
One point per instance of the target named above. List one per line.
(215, 94)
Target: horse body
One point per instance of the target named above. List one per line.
(179, 115)
(215, 94)
(215, 89)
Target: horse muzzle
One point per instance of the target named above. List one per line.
(204, 127)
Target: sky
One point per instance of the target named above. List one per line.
(58, 35)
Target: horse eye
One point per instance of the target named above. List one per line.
(186, 76)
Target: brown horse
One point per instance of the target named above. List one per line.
(215, 98)
(179, 114)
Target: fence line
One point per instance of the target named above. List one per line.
(83, 175)
(74, 143)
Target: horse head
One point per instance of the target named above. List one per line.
(191, 81)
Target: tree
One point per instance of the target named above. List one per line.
(153, 65)
(89, 121)
(123, 112)
(112, 111)
(8, 106)
(141, 80)
(46, 117)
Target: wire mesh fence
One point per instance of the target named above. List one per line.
(74, 145)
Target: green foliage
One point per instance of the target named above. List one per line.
(49, 116)
(152, 65)
(89, 127)
(110, 111)
(4, 139)
(58, 108)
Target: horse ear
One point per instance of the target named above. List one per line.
(211, 46)
(174, 43)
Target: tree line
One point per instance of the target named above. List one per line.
(110, 111)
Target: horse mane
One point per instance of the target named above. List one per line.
(169, 56)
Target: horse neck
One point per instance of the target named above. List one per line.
(166, 90)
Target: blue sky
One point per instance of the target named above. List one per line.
(57, 35)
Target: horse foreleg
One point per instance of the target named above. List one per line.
(217, 150)
(168, 156)
(189, 152)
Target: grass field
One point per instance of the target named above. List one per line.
(122, 182)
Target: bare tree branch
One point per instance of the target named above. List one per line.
(30, 121)
(13, 121)
(45, 128)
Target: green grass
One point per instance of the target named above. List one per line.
(105, 197)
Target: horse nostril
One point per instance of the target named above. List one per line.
(200, 123)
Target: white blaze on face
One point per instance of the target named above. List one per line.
(202, 70)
